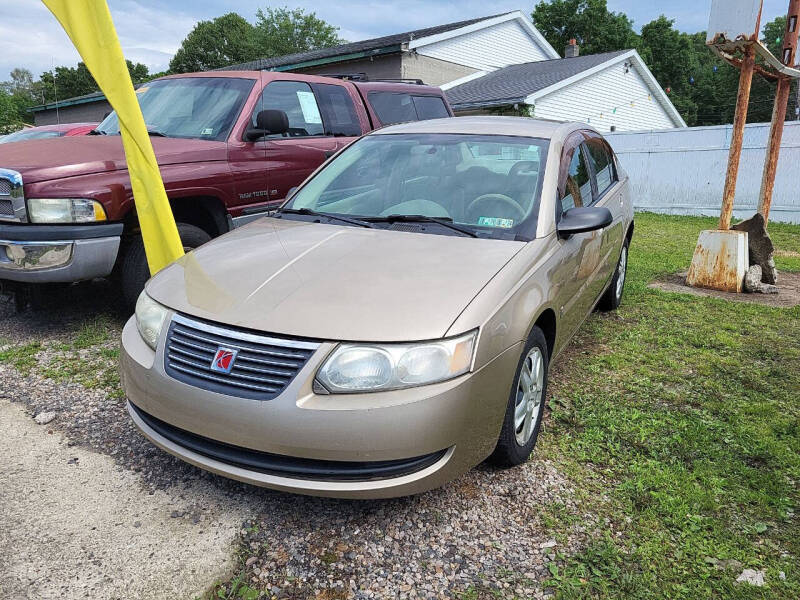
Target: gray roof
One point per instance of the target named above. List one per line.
(514, 83)
(392, 42)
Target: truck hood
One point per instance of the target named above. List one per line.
(332, 282)
(56, 158)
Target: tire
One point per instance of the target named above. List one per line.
(134, 271)
(515, 444)
(612, 297)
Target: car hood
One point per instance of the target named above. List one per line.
(332, 282)
(55, 158)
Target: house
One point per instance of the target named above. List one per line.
(614, 91)
(499, 64)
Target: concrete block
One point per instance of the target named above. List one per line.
(720, 261)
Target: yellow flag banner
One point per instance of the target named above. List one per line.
(88, 24)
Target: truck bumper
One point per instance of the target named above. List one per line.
(58, 253)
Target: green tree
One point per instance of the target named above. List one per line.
(280, 31)
(217, 43)
(672, 58)
(68, 82)
(595, 28)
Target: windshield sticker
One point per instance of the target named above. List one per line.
(308, 105)
(495, 222)
(207, 131)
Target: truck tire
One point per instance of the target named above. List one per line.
(134, 271)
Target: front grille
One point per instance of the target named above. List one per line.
(5, 187)
(6, 208)
(262, 369)
(288, 466)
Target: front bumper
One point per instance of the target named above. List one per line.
(397, 443)
(58, 253)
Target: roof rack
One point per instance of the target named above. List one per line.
(365, 77)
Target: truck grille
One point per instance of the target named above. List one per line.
(6, 207)
(12, 202)
(262, 368)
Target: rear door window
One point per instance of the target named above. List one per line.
(297, 100)
(399, 107)
(430, 107)
(338, 112)
(602, 163)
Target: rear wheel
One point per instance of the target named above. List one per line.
(526, 404)
(134, 269)
(612, 297)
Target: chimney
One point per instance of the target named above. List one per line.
(572, 49)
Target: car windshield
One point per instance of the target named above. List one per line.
(486, 184)
(27, 134)
(188, 107)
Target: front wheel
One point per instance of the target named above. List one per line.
(134, 269)
(526, 404)
(612, 297)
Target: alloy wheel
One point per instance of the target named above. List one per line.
(529, 396)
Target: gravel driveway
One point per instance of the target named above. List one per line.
(96, 510)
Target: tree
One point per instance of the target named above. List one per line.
(280, 31)
(68, 82)
(213, 44)
(595, 28)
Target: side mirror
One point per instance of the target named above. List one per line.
(583, 219)
(291, 192)
(268, 121)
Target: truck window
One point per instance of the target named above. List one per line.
(398, 107)
(430, 107)
(392, 107)
(296, 99)
(338, 112)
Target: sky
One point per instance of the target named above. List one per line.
(151, 30)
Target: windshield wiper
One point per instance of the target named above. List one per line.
(446, 222)
(324, 215)
(156, 133)
(96, 132)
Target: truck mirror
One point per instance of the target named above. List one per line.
(268, 121)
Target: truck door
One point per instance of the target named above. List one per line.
(292, 156)
(247, 160)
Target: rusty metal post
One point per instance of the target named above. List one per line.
(787, 57)
(773, 147)
(735, 153)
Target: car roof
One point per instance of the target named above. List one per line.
(483, 125)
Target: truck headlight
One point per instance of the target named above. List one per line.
(377, 367)
(65, 210)
(150, 317)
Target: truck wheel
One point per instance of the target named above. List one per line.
(134, 270)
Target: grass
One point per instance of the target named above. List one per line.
(683, 412)
(89, 357)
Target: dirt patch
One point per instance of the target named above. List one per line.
(787, 297)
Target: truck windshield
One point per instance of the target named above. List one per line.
(188, 107)
(489, 185)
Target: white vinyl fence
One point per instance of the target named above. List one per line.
(682, 171)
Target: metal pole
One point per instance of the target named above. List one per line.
(739, 120)
(773, 147)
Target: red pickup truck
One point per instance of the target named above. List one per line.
(230, 145)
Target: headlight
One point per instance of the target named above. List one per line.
(65, 210)
(150, 317)
(371, 367)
